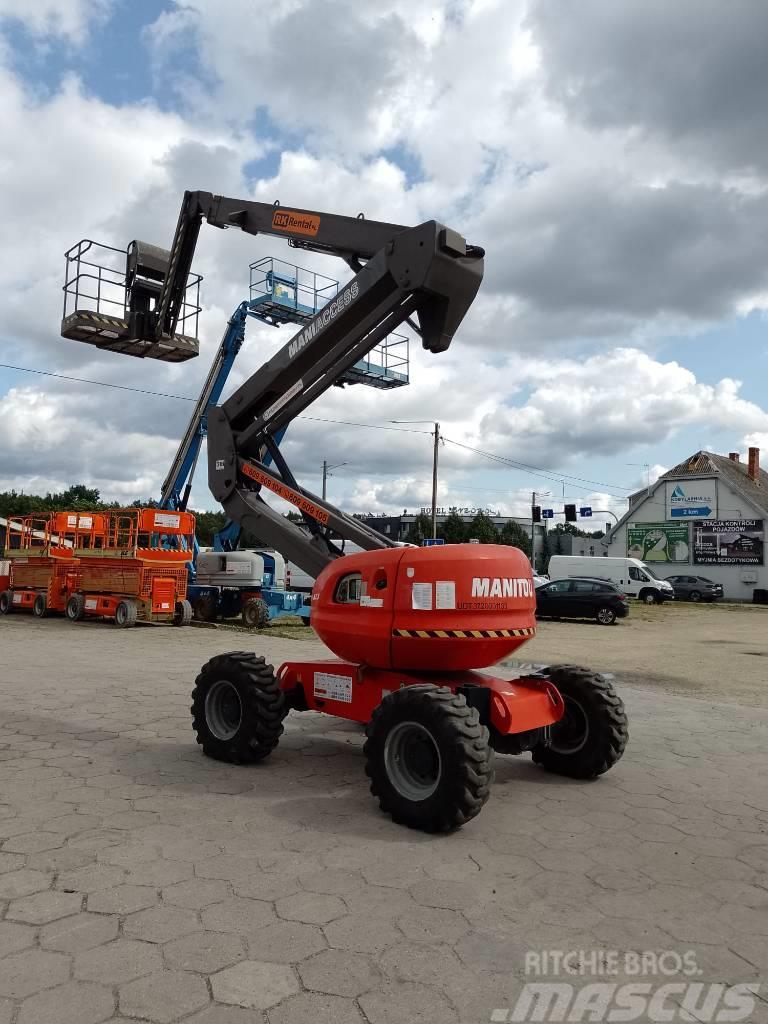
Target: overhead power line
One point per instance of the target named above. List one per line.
(502, 460)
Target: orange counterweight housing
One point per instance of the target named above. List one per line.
(439, 609)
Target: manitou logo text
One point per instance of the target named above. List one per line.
(485, 586)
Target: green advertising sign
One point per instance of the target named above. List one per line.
(658, 542)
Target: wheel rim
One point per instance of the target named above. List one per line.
(650, 599)
(605, 616)
(571, 733)
(121, 614)
(223, 710)
(412, 761)
(38, 608)
(695, 595)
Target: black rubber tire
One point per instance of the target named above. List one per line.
(40, 606)
(255, 613)
(649, 597)
(465, 764)
(205, 608)
(126, 614)
(183, 613)
(605, 616)
(75, 609)
(6, 602)
(262, 708)
(695, 595)
(589, 698)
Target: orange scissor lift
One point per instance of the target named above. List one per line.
(127, 565)
(133, 565)
(44, 572)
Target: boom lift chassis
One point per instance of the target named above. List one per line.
(409, 626)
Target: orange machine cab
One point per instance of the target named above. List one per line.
(443, 608)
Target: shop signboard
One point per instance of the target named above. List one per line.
(728, 542)
(659, 542)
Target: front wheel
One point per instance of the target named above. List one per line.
(592, 734)
(606, 616)
(695, 595)
(238, 708)
(428, 758)
(183, 613)
(6, 602)
(40, 606)
(649, 597)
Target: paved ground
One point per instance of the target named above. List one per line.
(139, 880)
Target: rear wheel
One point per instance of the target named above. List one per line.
(183, 614)
(40, 606)
(6, 602)
(695, 595)
(205, 608)
(428, 758)
(592, 734)
(606, 616)
(126, 614)
(75, 609)
(255, 613)
(238, 708)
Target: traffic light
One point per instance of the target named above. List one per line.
(570, 513)
(536, 513)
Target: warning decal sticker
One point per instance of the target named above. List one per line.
(332, 687)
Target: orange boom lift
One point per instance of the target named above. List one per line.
(410, 627)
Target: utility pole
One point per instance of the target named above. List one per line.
(327, 472)
(436, 434)
(434, 481)
(533, 531)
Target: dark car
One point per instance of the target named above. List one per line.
(582, 598)
(695, 588)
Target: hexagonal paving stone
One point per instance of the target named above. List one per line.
(360, 933)
(34, 842)
(159, 872)
(6, 1011)
(254, 984)
(163, 997)
(238, 915)
(204, 952)
(429, 924)
(25, 973)
(161, 924)
(286, 942)
(90, 878)
(23, 883)
(43, 907)
(118, 961)
(220, 1014)
(311, 1008)
(79, 932)
(196, 893)
(406, 1003)
(332, 881)
(339, 973)
(122, 899)
(311, 908)
(78, 1002)
(14, 937)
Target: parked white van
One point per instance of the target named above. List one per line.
(633, 577)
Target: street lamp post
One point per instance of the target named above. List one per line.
(435, 453)
(327, 472)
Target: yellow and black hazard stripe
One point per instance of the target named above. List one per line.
(98, 318)
(463, 634)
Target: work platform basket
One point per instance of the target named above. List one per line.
(286, 293)
(110, 296)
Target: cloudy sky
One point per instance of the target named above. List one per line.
(612, 159)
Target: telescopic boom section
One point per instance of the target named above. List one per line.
(426, 275)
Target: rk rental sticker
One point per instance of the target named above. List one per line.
(167, 519)
(91, 602)
(331, 687)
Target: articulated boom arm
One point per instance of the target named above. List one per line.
(425, 275)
